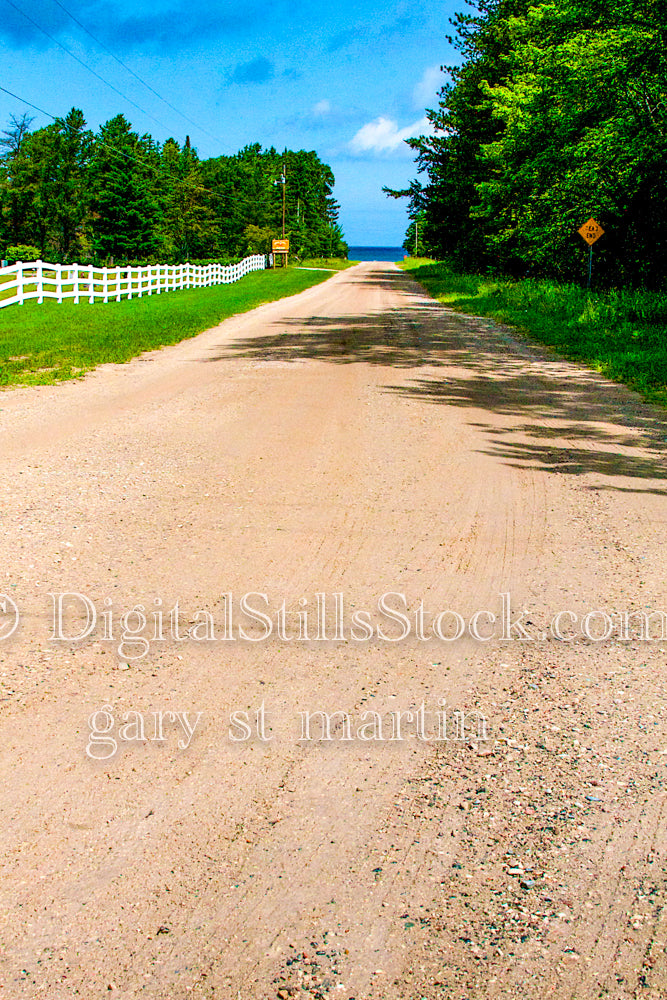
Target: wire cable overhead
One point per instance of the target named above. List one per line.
(85, 65)
(132, 72)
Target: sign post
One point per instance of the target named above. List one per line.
(282, 247)
(590, 232)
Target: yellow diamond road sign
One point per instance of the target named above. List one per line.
(591, 231)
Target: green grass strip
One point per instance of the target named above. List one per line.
(43, 344)
(620, 333)
(328, 263)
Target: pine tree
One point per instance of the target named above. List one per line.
(125, 211)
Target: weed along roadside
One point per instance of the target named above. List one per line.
(618, 333)
(51, 342)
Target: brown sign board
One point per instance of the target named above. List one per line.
(591, 231)
(280, 246)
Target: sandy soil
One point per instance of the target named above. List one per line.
(357, 439)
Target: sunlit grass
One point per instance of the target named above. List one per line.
(330, 263)
(41, 344)
(620, 333)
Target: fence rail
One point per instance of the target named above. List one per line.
(39, 280)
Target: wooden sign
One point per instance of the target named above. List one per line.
(591, 231)
(280, 246)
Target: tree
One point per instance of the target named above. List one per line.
(415, 241)
(188, 228)
(125, 210)
(114, 194)
(11, 139)
(556, 113)
(14, 200)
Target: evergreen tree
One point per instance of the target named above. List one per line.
(556, 113)
(122, 186)
(114, 194)
(188, 228)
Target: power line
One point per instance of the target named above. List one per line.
(135, 75)
(33, 106)
(119, 152)
(85, 65)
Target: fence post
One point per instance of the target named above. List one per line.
(153, 278)
(39, 281)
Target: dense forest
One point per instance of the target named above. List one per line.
(67, 194)
(556, 113)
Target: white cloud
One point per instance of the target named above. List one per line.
(322, 108)
(383, 135)
(425, 92)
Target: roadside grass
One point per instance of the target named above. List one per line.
(622, 334)
(43, 344)
(332, 263)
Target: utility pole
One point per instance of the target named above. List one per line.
(284, 180)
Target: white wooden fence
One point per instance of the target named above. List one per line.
(39, 280)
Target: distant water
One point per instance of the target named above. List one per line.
(376, 253)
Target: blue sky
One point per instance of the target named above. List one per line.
(350, 80)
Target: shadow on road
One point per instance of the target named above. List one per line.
(577, 423)
(560, 421)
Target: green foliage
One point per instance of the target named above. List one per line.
(226, 261)
(415, 242)
(43, 191)
(48, 343)
(619, 333)
(123, 177)
(22, 253)
(558, 112)
(258, 239)
(187, 228)
(247, 198)
(117, 196)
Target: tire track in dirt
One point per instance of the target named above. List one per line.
(357, 438)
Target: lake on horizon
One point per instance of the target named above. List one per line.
(376, 253)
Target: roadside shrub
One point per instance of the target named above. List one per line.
(22, 252)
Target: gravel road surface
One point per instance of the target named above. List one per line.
(358, 440)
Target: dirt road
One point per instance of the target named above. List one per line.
(356, 440)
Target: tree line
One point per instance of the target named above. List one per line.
(556, 113)
(68, 194)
